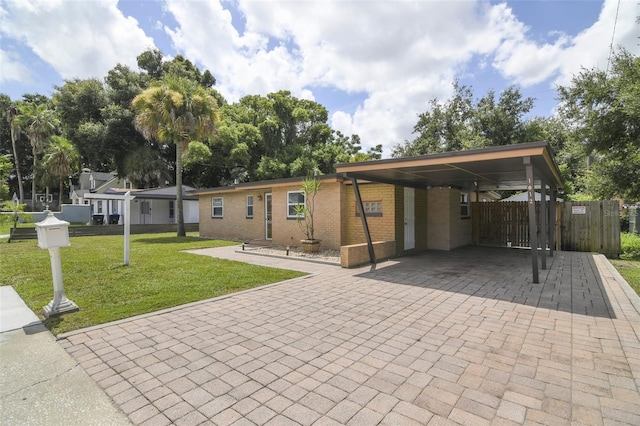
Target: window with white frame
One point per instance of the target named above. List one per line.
(249, 206)
(99, 206)
(294, 199)
(465, 211)
(217, 207)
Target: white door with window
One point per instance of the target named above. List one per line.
(409, 219)
(268, 217)
(145, 212)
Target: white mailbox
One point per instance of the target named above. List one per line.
(52, 232)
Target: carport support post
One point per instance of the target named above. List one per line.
(533, 224)
(363, 217)
(543, 222)
(552, 221)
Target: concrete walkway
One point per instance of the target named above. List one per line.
(40, 384)
(441, 338)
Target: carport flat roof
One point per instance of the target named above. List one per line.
(499, 167)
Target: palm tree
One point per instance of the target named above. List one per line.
(12, 112)
(60, 160)
(176, 111)
(39, 122)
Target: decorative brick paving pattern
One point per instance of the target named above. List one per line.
(459, 337)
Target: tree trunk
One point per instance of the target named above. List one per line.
(179, 207)
(60, 194)
(33, 181)
(17, 163)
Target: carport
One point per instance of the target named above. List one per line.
(527, 166)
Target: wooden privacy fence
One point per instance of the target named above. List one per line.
(581, 226)
(591, 226)
(502, 224)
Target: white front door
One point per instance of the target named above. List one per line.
(409, 219)
(268, 217)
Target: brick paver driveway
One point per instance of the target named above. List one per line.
(456, 337)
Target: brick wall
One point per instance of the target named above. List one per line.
(445, 229)
(358, 254)
(235, 226)
(461, 233)
(382, 228)
(437, 214)
(327, 217)
(438, 218)
(389, 227)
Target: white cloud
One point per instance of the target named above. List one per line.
(526, 62)
(400, 54)
(241, 63)
(77, 38)
(342, 121)
(12, 69)
(590, 48)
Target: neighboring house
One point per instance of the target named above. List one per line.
(411, 204)
(150, 206)
(485, 196)
(91, 182)
(524, 197)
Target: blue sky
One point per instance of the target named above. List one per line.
(375, 64)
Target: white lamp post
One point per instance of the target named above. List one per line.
(53, 234)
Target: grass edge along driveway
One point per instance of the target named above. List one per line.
(160, 275)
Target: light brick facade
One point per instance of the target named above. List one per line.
(235, 225)
(438, 224)
(446, 229)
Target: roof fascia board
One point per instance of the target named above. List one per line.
(364, 179)
(553, 168)
(264, 184)
(452, 154)
(441, 160)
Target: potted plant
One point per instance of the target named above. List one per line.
(304, 213)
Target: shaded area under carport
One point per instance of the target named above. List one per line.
(570, 284)
(520, 166)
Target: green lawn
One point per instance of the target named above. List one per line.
(629, 263)
(630, 270)
(159, 276)
(5, 228)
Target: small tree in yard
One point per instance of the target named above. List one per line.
(304, 212)
(13, 212)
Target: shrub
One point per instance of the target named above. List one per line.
(624, 223)
(630, 246)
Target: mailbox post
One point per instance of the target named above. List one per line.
(53, 234)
